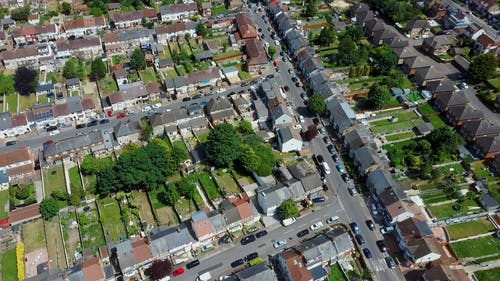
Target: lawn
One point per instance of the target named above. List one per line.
(171, 73)
(495, 82)
(26, 102)
(110, 216)
(482, 172)
(406, 120)
(400, 136)
(446, 210)
(437, 122)
(426, 108)
(180, 145)
(71, 235)
(227, 183)
(33, 237)
(468, 229)
(209, 186)
(144, 207)
(90, 182)
(107, 86)
(55, 244)
(488, 275)
(43, 99)
(244, 75)
(336, 273)
(185, 208)
(4, 204)
(9, 266)
(12, 103)
(53, 180)
(75, 179)
(165, 214)
(148, 75)
(219, 10)
(457, 169)
(90, 228)
(436, 197)
(477, 247)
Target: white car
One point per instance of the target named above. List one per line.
(301, 118)
(55, 132)
(387, 230)
(298, 126)
(279, 243)
(157, 105)
(221, 90)
(332, 220)
(146, 108)
(316, 226)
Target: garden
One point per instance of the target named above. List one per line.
(488, 275)
(9, 266)
(33, 237)
(90, 228)
(450, 210)
(479, 247)
(226, 182)
(468, 229)
(336, 273)
(398, 122)
(145, 211)
(71, 235)
(110, 217)
(107, 86)
(166, 214)
(53, 179)
(4, 204)
(129, 211)
(55, 245)
(22, 194)
(209, 185)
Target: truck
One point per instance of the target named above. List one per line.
(325, 168)
(204, 277)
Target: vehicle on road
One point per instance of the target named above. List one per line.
(121, 115)
(323, 131)
(335, 158)
(352, 191)
(248, 239)
(51, 128)
(332, 220)
(92, 123)
(178, 272)
(192, 264)
(370, 224)
(80, 126)
(316, 226)
(146, 108)
(289, 221)
(319, 199)
(390, 262)
(360, 239)
(320, 159)
(330, 148)
(204, 277)
(302, 233)
(251, 256)
(325, 168)
(374, 209)
(355, 228)
(367, 253)
(261, 233)
(387, 230)
(301, 118)
(9, 143)
(157, 105)
(381, 245)
(304, 96)
(55, 132)
(237, 263)
(104, 121)
(327, 140)
(279, 243)
(340, 168)
(345, 177)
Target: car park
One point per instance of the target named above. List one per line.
(319, 199)
(381, 245)
(192, 264)
(261, 233)
(387, 230)
(332, 220)
(360, 239)
(248, 239)
(367, 253)
(178, 272)
(251, 256)
(390, 262)
(302, 233)
(370, 224)
(352, 191)
(316, 226)
(237, 263)
(279, 243)
(355, 228)
(335, 158)
(345, 177)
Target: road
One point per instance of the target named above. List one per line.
(490, 30)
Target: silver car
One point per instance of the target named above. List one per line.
(279, 243)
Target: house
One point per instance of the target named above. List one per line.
(141, 250)
(202, 226)
(92, 270)
(416, 240)
(292, 266)
(404, 53)
(374, 26)
(419, 28)
(444, 86)
(18, 163)
(437, 45)
(24, 214)
(232, 74)
(167, 122)
(381, 36)
(71, 110)
(243, 105)
(205, 9)
(31, 56)
(44, 89)
(122, 20)
(307, 175)
(73, 84)
(259, 272)
(289, 139)
(238, 212)
(33, 34)
(34, 19)
(487, 147)
(410, 65)
(309, 65)
(456, 19)
(13, 125)
(177, 85)
(123, 257)
(88, 25)
(132, 94)
(257, 61)
(379, 181)
(43, 115)
(358, 137)
(446, 100)
(471, 130)
(366, 159)
(485, 44)
(422, 251)
(127, 132)
(269, 198)
(165, 33)
(411, 229)
(246, 26)
(317, 251)
(362, 14)
(166, 241)
(79, 145)
(461, 64)
(458, 114)
(126, 40)
(342, 117)
(178, 12)
(114, 7)
(219, 109)
(205, 78)
(285, 24)
(440, 271)
(280, 113)
(424, 75)
(234, 4)
(121, 76)
(84, 48)
(395, 208)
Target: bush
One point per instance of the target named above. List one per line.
(20, 260)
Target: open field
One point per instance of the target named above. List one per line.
(468, 229)
(488, 275)
(9, 266)
(114, 229)
(4, 204)
(33, 236)
(53, 179)
(55, 244)
(144, 207)
(477, 247)
(446, 210)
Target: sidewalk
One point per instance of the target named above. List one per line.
(482, 266)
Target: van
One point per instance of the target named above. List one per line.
(289, 221)
(374, 209)
(204, 277)
(325, 168)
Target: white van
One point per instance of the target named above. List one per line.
(287, 222)
(204, 277)
(325, 168)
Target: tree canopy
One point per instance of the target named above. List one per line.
(20, 14)
(138, 59)
(49, 208)
(379, 96)
(310, 9)
(288, 209)
(73, 68)
(159, 269)
(483, 67)
(272, 51)
(65, 8)
(25, 80)
(384, 60)
(202, 30)
(223, 145)
(98, 69)
(350, 53)
(327, 36)
(317, 104)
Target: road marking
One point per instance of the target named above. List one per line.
(262, 245)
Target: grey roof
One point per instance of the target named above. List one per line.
(404, 52)
(194, 108)
(431, 72)
(200, 122)
(451, 98)
(5, 120)
(317, 249)
(445, 85)
(341, 240)
(380, 180)
(342, 114)
(259, 272)
(204, 55)
(489, 202)
(435, 42)
(296, 188)
(218, 103)
(374, 25)
(168, 117)
(465, 112)
(358, 137)
(418, 24)
(125, 254)
(45, 87)
(218, 222)
(4, 176)
(49, 275)
(229, 69)
(165, 62)
(301, 169)
(73, 81)
(73, 143)
(127, 128)
(230, 212)
(128, 35)
(279, 110)
(288, 133)
(76, 273)
(481, 128)
(462, 62)
(271, 88)
(275, 195)
(164, 240)
(261, 109)
(424, 128)
(311, 182)
(297, 44)
(366, 157)
(319, 273)
(74, 104)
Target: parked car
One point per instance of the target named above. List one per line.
(9, 143)
(224, 240)
(287, 222)
(345, 177)
(370, 224)
(304, 96)
(331, 149)
(192, 264)
(340, 168)
(301, 118)
(104, 121)
(332, 220)
(248, 239)
(92, 123)
(390, 262)
(146, 108)
(279, 243)
(387, 230)
(237, 263)
(355, 228)
(320, 159)
(251, 256)
(319, 199)
(367, 253)
(80, 126)
(302, 233)
(360, 239)
(352, 191)
(335, 158)
(178, 272)
(381, 245)
(327, 140)
(55, 132)
(316, 226)
(261, 233)
(323, 131)
(51, 128)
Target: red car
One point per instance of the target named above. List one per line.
(121, 115)
(179, 271)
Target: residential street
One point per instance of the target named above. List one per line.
(490, 30)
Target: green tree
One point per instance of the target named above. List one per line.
(310, 9)
(146, 129)
(93, 166)
(288, 209)
(73, 68)
(379, 96)
(384, 60)
(267, 160)
(187, 187)
(443, 139)
(179, 152)
(248, 159)
(170, 195)
(223, 145)
(25, 80)
(356, 32)
(272, 51)
(394, 79)
(6, 84)
(20, 14)
(326, 36)
(246, 127)
(483, 67)
(98, 69)
(225, 44)
(65, 8)
(49, 208)
(202, 30)
(138, 59)
(160, 268)
(317, 104)
(347, 51)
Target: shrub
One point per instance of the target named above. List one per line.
(20, 260)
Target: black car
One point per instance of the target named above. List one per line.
(316, 121)
(192, 264)
(80, 126)
(331, 149)
(92, 123)
(248, 239)
(244, 84)
(237, 263)
(186, 99)
(320, 158)
(345, 177)
(251, 256)
(381, 245)
(297, 84)
(286, 88)
(355, 228)
(270, 76)
(224, 240)
(261, 233)
(9, 143)
(325, 187)
(370, 224)
(303, 233)
(327, 140)
(335, 158)
(104, 121)
(51, 128)
(360, 239)
(282, 53)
